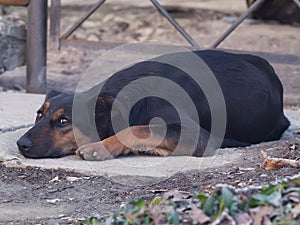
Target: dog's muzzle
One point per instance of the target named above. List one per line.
(24, 145)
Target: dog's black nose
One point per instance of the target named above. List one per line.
(24, 144)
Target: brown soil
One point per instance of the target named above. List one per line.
(94, 195)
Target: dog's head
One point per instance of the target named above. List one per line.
(52, 135)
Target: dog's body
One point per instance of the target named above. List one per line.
(252, 92)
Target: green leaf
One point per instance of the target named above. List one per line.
(227, 196)
(135, 221)
(256, 202)
(93, 221)
(202, 198)
(292, 189)
(208, 205)
(139, 203)
(286, 223)
(173, 218)
(296, 182)
(269, 190)
(220, 209)
(147, 220)
(126, 209)
(156, 201)
(274, 198)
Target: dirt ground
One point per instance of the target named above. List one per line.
(24, 188)
(91, 195)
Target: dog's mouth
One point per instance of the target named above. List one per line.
(36, 154)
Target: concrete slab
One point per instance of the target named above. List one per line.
(145, 169)
(18, 110)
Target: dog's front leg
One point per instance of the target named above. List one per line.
(109, 148)
(129, 140)
(94, 152)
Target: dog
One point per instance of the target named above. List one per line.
(251, 90)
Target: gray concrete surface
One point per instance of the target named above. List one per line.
(17, 112)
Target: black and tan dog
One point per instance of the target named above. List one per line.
(252, 92)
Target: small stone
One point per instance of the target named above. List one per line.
(54, 179)
(53, 201)
(93, 37)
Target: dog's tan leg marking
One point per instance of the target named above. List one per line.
(143, 141)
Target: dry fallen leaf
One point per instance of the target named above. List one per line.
(243, 219)
(207, 188)
(270, 164)
(175, 195)
(260, 215)
(225, 218)
(296, 211)
(264, 154)
(198, 216)
(277, 163)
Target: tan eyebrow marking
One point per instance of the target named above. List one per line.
(57, 114)
(46, 107)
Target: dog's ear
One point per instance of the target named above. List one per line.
(52, 93)
(113, 106)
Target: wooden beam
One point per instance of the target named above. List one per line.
(15, 2)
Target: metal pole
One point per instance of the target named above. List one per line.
(54, 41)
(165, 13)
(82, 19)
(237, 23)
(36, 46)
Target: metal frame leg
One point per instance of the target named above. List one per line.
(36, 46)
(160, 8)
(237, 23)
(82, 19)
(165, 13)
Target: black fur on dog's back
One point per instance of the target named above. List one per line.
(252, 91)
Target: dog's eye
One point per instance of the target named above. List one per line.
(64, 121)
(39, 115)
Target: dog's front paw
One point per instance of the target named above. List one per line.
(94, 152)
